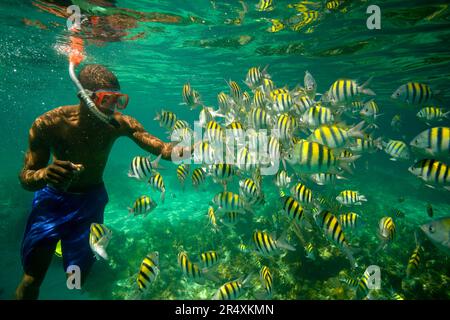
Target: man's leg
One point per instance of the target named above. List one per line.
(37, 266)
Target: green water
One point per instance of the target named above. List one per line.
(412, 45)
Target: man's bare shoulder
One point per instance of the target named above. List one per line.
(54, 117)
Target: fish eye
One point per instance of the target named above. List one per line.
(397, 94)
(431, 229)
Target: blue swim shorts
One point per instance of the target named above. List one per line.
(58, 215)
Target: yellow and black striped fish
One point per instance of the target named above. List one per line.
(282, 102)
(434, 141)
(325, 178)
(209, 259)
(230, 218)
(309, 249)
(331, 227)
(350, 197)
(182, 173)
(302, 104)
(433, 114)
(180, 124)
(311, 157)
(301, 20)
(433, 172)
(229, 291)
(345, 89)
(317, 116)
(222, 171)
(259, 99)
(214, 132)
(189, 269)
(142, 205)
(348, 220)
(224, 102)
(190, 96)
(198, 176)
(369, 145)
(396, 149)
(157, 182)
(142, 168)
(246, 160)
(267, 85)
(166, 119)
(99, 237)
(148, 271)
(386, 229)
(249, 190)
(301, 193)
(258, 118)
(212, 218)
(413, 262)
(413, 93)
(266, 278)
(255, 76)
(235, 91)
(228, 201)
(277, 25)
(292, 208)
(266, 245)
(264, 5)
(286, 125)
(333, 136)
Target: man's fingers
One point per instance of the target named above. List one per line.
(64, 164)
(62, 172)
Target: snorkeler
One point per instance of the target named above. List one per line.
(69, 192)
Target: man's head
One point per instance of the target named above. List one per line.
(105, 87)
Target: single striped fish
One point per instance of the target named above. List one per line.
(343, 90)
(142, 168)
(396, 149)
(198, 177)
(333, 231)
(434, 141)
(99, 238)
(292, 208)
(433, 172)
(350, 197)
(433, 114)
(301, 193)
(166, 119)
(182, 173)
(142, 206)
(209, 259)
(349, 220)
(266, 279)
(148, 271)
(157, 183)
(265, 244)
(413, 93)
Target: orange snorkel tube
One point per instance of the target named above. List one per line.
(75, 58)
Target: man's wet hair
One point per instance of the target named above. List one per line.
(95, 77)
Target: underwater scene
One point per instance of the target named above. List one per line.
(320, 133)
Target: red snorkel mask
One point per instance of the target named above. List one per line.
(111, 99)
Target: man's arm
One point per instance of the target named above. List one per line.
(36, 159)
(132, 128)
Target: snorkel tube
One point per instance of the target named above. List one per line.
(75, 58)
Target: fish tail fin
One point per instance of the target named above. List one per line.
(349, 253)
(363, 88)
(163, 196)
(155, 163)
(357, 131)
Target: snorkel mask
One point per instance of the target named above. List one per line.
(108, 99)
